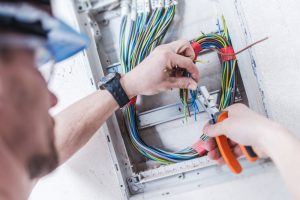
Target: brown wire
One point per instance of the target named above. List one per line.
(240, 51)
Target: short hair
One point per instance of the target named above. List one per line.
(11, 24)
(44, 5)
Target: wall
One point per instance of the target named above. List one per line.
(89, 174)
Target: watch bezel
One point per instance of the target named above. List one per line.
(106, 79)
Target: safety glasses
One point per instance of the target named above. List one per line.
(51, 39)
(44, 61)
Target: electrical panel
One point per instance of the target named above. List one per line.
(161, 119)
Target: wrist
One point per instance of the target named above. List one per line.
(128, 86)
(272, 138)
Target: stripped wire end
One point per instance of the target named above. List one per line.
(204, 137)
(202, 61)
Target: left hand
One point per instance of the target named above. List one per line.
(151, 76)
(243, 126)
(214, 152)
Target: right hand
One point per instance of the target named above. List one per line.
(245, 127)
(152, 75)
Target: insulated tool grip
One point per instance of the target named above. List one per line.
(225, 149)
(249, 153)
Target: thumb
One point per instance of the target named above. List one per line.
(183, 47)
(215, 129)
(183, 83)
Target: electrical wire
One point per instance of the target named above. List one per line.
(139, 35)
(145, 32)
(217, 42)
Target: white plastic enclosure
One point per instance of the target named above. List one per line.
(161, 117)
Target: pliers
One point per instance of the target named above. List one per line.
(222, 141)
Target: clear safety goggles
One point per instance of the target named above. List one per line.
(44, 61)
(61, 42)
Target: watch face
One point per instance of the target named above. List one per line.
(106, 79)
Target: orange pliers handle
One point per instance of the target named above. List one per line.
(226, 152)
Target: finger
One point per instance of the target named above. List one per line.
(184, 63)
(210, 144)
(181, 82)
(217, 129)
(259, 152)
(206, 127)
(220, 161)
(182, 47)
(214, 154)
(232, 143)
(179, 73)
(236, 109)
(237, 151)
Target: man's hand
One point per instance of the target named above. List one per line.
(266, 137)
(152, 75)
(242, 126)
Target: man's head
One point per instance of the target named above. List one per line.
(26, 128)
(29, 36)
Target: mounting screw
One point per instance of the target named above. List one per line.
(104, 22)
(181, 176)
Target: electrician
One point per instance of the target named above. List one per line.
(32, 143)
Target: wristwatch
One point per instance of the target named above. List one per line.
(111, 83)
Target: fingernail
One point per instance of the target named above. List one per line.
(192, 86)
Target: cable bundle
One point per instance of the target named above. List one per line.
(140, 33)
(221, 43)
(147, 27)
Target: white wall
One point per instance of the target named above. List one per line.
(89, 174)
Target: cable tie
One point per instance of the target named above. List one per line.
(197, 48)
(227, 53)
(231, 52)
(132, 101)
(198, 148)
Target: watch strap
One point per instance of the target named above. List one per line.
(116, 90)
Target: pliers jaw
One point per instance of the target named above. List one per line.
(210, 107)
(208, 104)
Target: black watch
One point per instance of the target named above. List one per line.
(111, 83)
